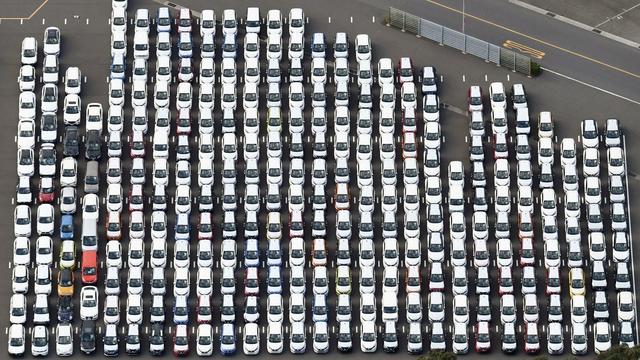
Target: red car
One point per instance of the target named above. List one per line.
(47, 192)
(89, 267)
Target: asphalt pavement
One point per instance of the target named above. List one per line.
(85, 44)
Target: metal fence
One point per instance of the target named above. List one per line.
(457, 40)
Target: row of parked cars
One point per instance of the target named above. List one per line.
(502, 230)
(46, 224)
(602, 337)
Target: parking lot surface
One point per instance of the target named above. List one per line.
(85, 39)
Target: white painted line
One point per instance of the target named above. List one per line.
(486, 78)
(593, 87)
(42, 21)
(351, 19)
(464, 78)
(329, 19)
(87, 21)
(373, 19)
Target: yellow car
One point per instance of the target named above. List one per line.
(66, 281)
(576, 282)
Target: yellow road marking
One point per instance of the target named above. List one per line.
(509, 44)
(599, 62)
(30, 16)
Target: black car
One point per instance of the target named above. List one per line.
(71, 141)
(156, 340)
(93, 150)
(88, 337)
(65, 309)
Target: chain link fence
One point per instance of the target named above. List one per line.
(457, 40)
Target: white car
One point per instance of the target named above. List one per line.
(49, 128)
(589, 132)
(49, 98)
(431, 108)
(497, 95)
(26, 134)
(27, 105)
(275, 343)
(89, 303)
(626, 306)
(27, 78)
(368, 337)
(251, 339)
(601, 337)
(363, 48)
(436, 307)
(204, 340)
(297, 338)
(204, 282)
(42, 280)
(51, 42)
(29, 51)
(45, 219)
(615, 161)
(64, 339)
(386, 74)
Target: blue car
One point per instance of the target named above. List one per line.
(118, 67)
(228, 339)
(66, 227)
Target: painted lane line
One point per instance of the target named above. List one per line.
(591, 86)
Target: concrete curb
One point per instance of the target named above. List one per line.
(575, 23)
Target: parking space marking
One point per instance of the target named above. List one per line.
(28, 17)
